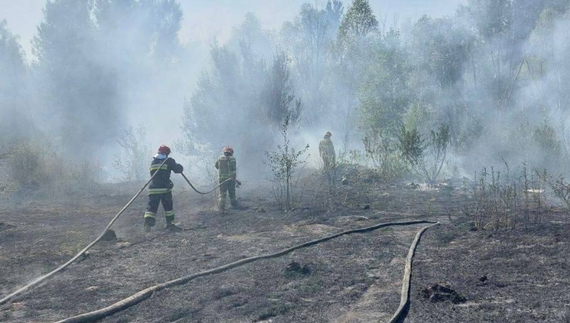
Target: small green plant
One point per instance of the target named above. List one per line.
(425, 157)
(284, 162)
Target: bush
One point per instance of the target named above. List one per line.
(36, 164)
(498, 200)
(29, 164)
(383, 153)
(283, 163)
(424, 157)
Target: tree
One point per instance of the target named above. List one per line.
(358, 22)
(503, 27)
(308, 40)
(78, 89)
(278, 93)
(385, 94)
(229, 97)
(14, 102)
(137, 33)
(441, 50)
(284, 162)
(88, 54)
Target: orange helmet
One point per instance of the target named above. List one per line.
(328, 134)
(228, 149)
(164, 149)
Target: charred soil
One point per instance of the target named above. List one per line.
(519, 275)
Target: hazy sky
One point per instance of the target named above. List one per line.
(205, 19)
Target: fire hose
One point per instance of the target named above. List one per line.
(148, 292)
(210, 191)
(405, 296)
(40, 279)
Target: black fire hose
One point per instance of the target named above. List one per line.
(204, 193)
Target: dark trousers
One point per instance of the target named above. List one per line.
(154, 201)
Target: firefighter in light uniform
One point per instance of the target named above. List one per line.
(326, 150)
(226, 166)
(160, 189)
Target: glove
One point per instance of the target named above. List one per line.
(238, 183)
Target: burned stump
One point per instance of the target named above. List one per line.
(441, 293)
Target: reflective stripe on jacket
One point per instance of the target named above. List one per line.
(226, 166)
(161, 183)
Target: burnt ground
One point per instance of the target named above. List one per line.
(518, 275)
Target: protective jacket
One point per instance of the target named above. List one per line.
(161, 183)
(326, 150)
(226, 166)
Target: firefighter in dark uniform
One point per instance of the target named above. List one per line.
(160, 189)
(226, 166)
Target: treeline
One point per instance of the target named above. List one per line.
(95, 65)
(493, 75)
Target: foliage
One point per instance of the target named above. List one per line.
(284, 163)
(238, 91)
(283, 106)
(385, 94)
(358, 22)
(412, 146)
(15, 122)
(308, 40)
(382, 152)
(278, 93)
(85, 50)
(425, 157)
(492, 72)
(561, 189)
(134, 166)
(502, 201)
(546, 137)
(36, 164)
(443, 49)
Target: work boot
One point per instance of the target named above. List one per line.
(234, 204)
(148, 224)
(173, 227)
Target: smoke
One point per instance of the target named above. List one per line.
(198, 83)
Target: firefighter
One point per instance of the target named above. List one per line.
(226, 166)
(160, 189)
(326, 150)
